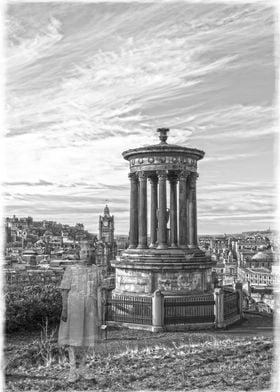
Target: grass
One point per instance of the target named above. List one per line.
(139, 360)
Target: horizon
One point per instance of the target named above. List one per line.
(87, 81)
(123, 234)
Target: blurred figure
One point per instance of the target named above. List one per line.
(80, 324)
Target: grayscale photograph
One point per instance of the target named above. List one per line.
(140, 239)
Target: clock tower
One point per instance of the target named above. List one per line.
(106, 227)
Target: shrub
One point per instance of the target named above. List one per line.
(28, 307)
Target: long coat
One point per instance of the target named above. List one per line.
(82, 325)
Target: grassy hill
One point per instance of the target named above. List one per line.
(138, 360)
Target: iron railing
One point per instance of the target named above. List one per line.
(129, 309)
(231, 304)
(189, 309)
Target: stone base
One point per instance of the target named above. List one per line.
(141, 327)
(166, 328)
(189, 327)
(229, 322)
(173, 271)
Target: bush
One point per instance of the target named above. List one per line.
(28, 307)
(42, 351)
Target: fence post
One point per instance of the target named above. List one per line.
(99, 311)
(157, 311)
(219, 307)
(238, 289)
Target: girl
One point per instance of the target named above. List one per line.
(80, 325)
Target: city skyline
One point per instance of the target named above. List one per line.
(256, 230)
(87, 81)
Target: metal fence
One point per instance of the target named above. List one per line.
(189, 309)
(130, 309)
(231, 304)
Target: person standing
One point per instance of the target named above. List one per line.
(79, 328)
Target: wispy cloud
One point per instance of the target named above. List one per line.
(235, 122)
(27, 50)
(88, 81)
(20, 183)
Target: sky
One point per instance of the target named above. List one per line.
(87, 81)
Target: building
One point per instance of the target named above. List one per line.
(29, 256)
(106, 227)
(106, 247)
(264, 258)
(256, 273)
(122, 242)
(259, 277)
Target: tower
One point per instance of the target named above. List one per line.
(106, 227)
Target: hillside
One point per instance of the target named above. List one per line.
(138, 360)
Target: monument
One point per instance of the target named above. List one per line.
(171, 260)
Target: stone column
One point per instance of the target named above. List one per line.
(192, 216)
(173, 211)
(162, 213)
(133, 230)
(154, 206)
(182, 210)
(142, 242)
(187, 209)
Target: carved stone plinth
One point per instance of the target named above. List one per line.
(170, 270)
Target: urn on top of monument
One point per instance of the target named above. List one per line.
(167, 167)
(163, 134)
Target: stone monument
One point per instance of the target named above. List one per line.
(171, 260)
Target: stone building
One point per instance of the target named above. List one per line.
(258, 277)
(264, 258)
(106, 227)
(256, 273)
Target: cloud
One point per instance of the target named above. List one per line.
(29, 49)
(229, 157)
(20, 183)
(240, 217)
(108, 93)
(237, 186)
(87, 81)
(235, 122)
